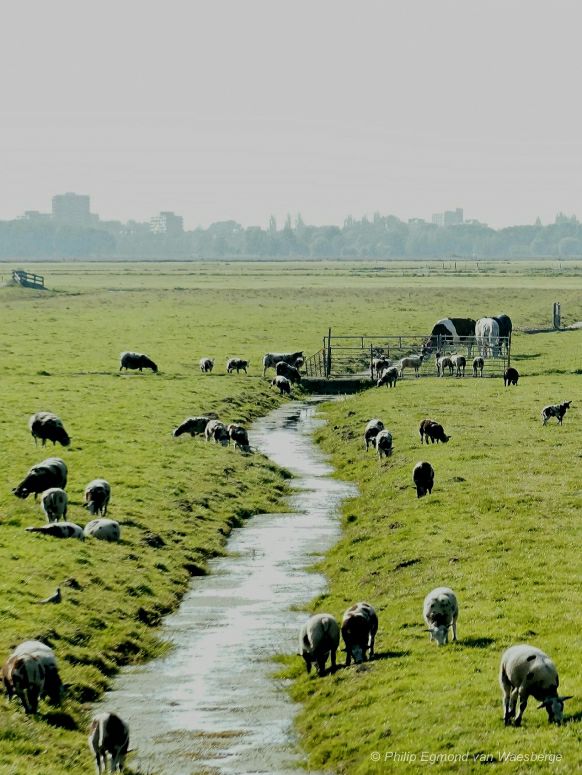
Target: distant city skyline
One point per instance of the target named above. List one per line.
(239, 111)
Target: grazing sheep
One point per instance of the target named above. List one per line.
(59, 530)
(359, 628)
(410, 362)
(429, 429)
(239, 437)
(48, 427)
(283, 369)
(51, 472)
(130, 360)
(194, 425)
(379, 365)
(236, 363)
(459, 363)
(23, 676)
(440, 611)
(444, 362)
(108, 735)
(371, 430)
(389, 377)
(97, 495)
(206, 365)
(216, 431)
(103, 529)
(52, 687)
(283, 384)
(270, 360)
(319, 637)
(383, 442)
(478, 364)
(555, 410)
(524, 671)
(423, 478)
(510, 377)
(54, 504)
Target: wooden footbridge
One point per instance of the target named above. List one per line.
(344, 362)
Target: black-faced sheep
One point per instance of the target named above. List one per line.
(524, 671)
(51, 472)
(216, 431)
(389, 377)
(359, 628)
(206, 365)
(239, 437)
(131, 360)
(238, 364)
(510, 377)
(429, 429)
(97, 495)
(440, 611)
(48, 427)
(423, 478)
(318, 639)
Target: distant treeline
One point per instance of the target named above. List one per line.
(378, 237)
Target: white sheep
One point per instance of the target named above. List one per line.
(410, 362)
(319, 637)
(54, 504)
(440, 611)
(524, 671)
(103, 529)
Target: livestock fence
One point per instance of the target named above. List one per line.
(352, 355)
(28, 279)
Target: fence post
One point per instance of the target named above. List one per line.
(371, 362)
(328, 365)
(557, 316)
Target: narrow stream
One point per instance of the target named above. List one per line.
(212, 705)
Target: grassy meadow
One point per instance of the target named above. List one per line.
(501, 527)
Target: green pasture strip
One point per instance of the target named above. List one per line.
(502, 528)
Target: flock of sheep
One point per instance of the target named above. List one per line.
(524, 670)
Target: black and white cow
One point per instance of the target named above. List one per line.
(449, 330)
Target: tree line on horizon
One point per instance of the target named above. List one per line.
(383, 237)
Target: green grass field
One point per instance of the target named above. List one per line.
(501, 526)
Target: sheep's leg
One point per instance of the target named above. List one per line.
(307, 664)
(522, 693)
(372, 645)
(455, 628)
(333, 660)
(321, 665)
(348, 656)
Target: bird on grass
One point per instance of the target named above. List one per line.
(56, 597)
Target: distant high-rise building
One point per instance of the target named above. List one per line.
(73, 210)
(449, 217)
(35, 216)
(167, 223)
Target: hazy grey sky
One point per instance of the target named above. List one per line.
(242, 108)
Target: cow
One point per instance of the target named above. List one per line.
(51, 472)
(487, 336)
(450, 331)
(131, 360)
(48, 427)
(270, 360)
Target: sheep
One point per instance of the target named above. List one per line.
(524, 671)
(283, 369)
(371, 430)
(53, 687)
(319, 637)
(51, 472)
(410, 362)
(423, 478)
(131, 360)
(194, 425)
(103, 529)
(478, 364)
(459, 363)
(444, 362)
(429, 429)
(359, 628)
(238, 364)
(48, 427)
(440, 611)
(216, 431)
(283, 384)
(97, 495)
(239, 437)
(108, 735)
(510, 376)
(59, 530)
(555, 410)
(206, 365)
(383, 442)
(299, 363)
(379, 365)
(54, 504)
(270, 360)
(24, 676)
(389, 377)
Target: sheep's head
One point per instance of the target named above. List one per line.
(555, 708)
(440, 633)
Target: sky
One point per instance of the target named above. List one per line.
(239, 109)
